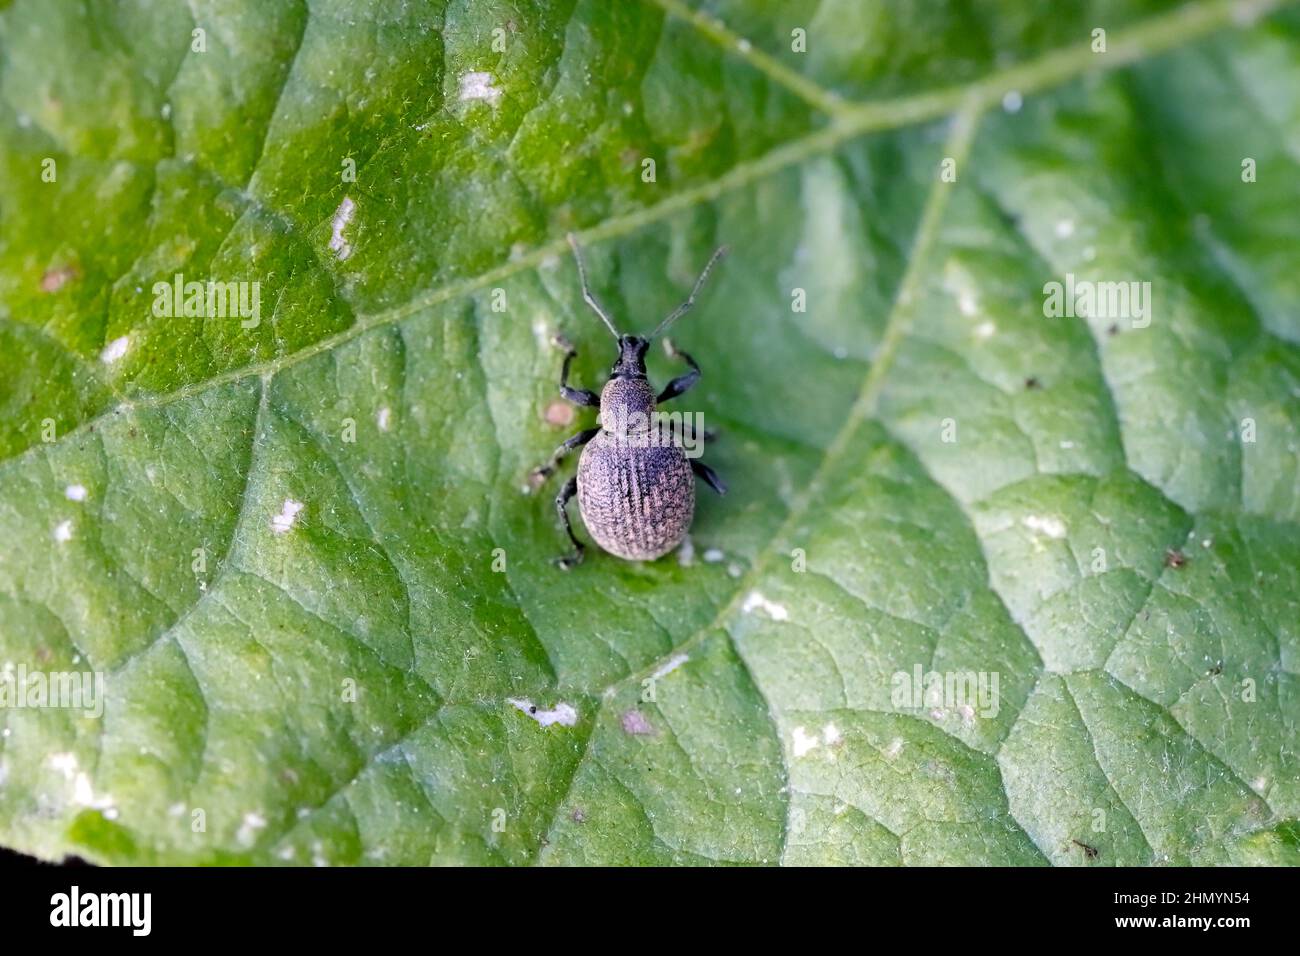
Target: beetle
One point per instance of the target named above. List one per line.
(636, 494)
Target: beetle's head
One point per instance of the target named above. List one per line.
(631, 357)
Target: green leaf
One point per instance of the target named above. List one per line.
(296, 549)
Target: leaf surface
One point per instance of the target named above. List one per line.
(299, 555)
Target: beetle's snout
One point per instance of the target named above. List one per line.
(631, 356)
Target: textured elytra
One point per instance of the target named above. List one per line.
(637, 500)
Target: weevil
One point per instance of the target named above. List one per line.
(636, 493)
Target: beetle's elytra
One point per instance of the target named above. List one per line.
(636, 493)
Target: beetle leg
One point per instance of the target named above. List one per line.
(542, 472)
(579, 396)
(682, 382)
(567, 561)
(709, 475)
(686, 431)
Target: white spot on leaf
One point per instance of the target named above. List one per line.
(252, 822)
(75, 492)
(63, 531)
(562, 713)
(686, 552)
(115, 349)
(84, 794)
(288, 515)
(755, 601)
(478, 86)
(65, 763)
(1049, 525)
(342, 216)
(634, 723)
(803, 742)
(670, 665)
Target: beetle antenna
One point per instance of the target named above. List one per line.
(690, 299)
(586, 292)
